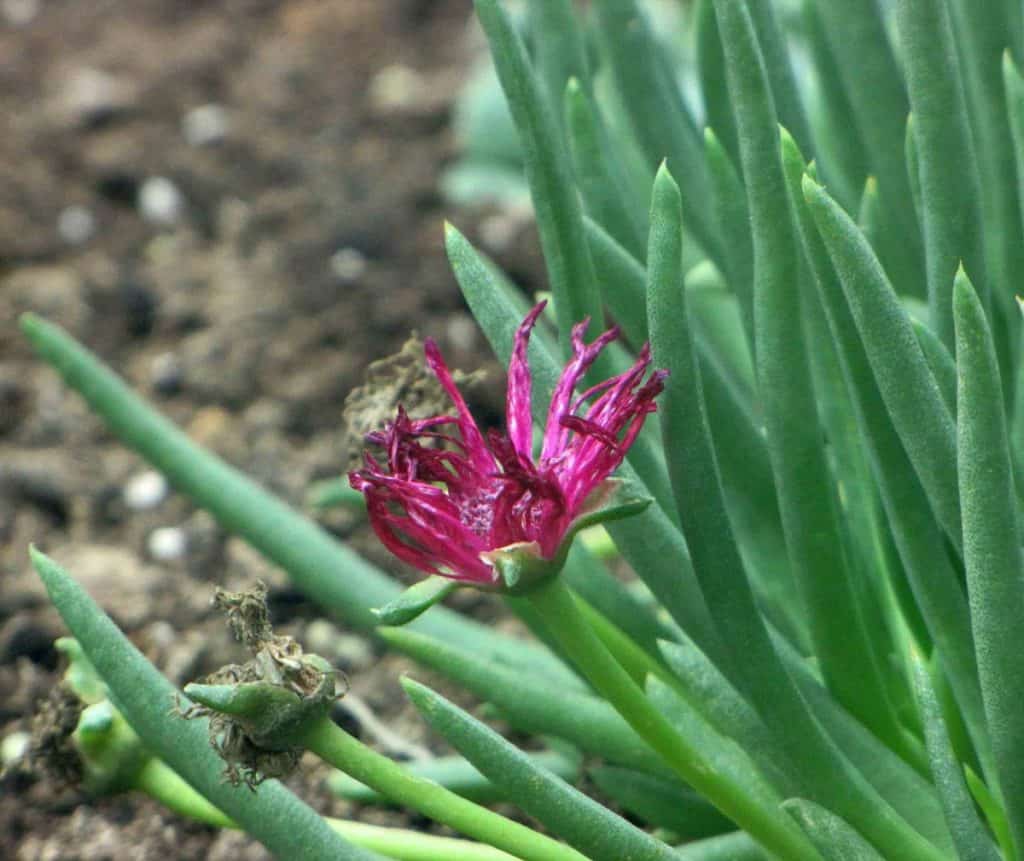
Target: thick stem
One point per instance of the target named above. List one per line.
(337, 747)
(163, 784)
(556, 605)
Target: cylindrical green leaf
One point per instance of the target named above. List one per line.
(841, 149)
(275, 817)
(455, 773)
(555, 200)
(972, 840)
(605, 194)
(333, 745)
(918, 537)
(579, 820)
(982, 39)
(992, 550)
(911, 395)
(729, 847)
(691, 457)
(713, 83)
(660, 118)
(806, 496)
(531, 705)
(833, 837)
(950, 189)
(729, 203)
(660, 802)
(857, 36)
(689, 751)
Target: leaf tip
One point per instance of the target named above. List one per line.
(1011, 74)
(811, 189)
(48, 570)
(30, 323)
(966, 303)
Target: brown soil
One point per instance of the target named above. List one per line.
(239, 318)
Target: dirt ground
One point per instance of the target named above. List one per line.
(234, 203)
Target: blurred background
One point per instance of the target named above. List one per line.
(237, 204)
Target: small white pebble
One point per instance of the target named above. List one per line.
(205, 125)
(13, 747)
(20, 12)
(167, 543)
(76, 224)
(348, 264)
(145, 490)
(165, 372)
(395, 88)
(160, 201)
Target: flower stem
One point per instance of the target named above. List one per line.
(161, 783)
(557, 607)
(335, 746)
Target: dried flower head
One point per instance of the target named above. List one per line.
(448, 511)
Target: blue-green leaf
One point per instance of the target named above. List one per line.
(972, 840)
(950, 189)
(660, 802)
(832, 836)
(275, 817)
(660, 118)
(415, 600)
(905, 381)
(580, 821)
(555, 200)
(992, 549)
(531, 704)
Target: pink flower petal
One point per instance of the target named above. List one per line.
(471, 435)
(517, 408)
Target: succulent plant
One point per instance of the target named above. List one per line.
(814, 220)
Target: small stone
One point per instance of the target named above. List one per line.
(18, 13)
(396, 88)
(205, 125)
(76, 224)
(89, 96)
(145, 491)
(160, 201)
(348, 264)
(13, 747)
(167, 543)
(166, 373)
(350, 651)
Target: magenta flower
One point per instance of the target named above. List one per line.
(447, 511)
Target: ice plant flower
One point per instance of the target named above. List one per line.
(452, 511)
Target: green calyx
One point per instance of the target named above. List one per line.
(270, 716)
(520, 566)
(522, 569)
